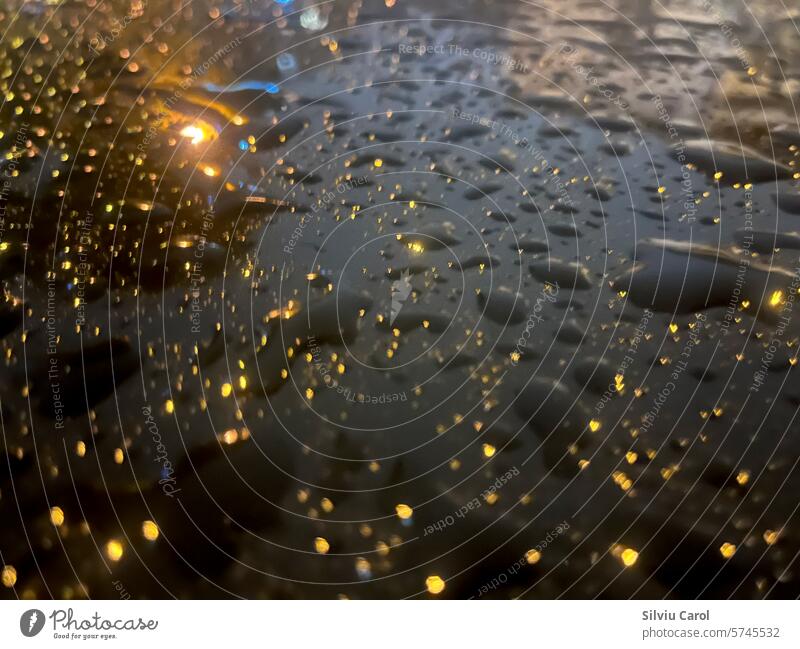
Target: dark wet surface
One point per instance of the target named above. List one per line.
(286, 293)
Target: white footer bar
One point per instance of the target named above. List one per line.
(398, 625)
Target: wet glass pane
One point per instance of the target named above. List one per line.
(389, 299)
